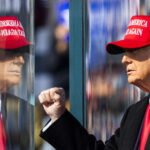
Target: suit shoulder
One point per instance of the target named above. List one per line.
(140, 104)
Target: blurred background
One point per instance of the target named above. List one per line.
(107, 93)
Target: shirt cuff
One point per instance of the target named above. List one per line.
(48, 125)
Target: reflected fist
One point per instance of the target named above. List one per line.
(53, 101)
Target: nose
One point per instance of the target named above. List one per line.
(125, 59)
(19, 59)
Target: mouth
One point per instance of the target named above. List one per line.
(129, 71)
(15, 72)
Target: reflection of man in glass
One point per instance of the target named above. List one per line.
(65, 133)
(13, 46)
(11, 64)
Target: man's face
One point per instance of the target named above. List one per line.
(10, 68)
(137, 63)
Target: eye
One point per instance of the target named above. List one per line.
(132, 50)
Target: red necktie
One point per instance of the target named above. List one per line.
(2, 135)
(146, 129)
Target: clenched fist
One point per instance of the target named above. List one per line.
(53, 101)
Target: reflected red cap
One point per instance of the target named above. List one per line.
(137, 36)
(12, 33)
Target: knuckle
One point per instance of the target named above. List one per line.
(42, 93)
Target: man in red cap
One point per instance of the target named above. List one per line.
(64, 132)
(13, 46)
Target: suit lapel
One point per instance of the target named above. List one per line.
(133, 124)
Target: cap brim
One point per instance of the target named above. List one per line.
(118, 47)
(13, 44)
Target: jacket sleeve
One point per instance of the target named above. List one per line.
(67, 134)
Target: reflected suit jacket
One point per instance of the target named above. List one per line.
(16, 122)
(67, 133)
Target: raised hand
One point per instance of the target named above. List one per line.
(53, 101)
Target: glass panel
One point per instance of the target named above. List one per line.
(108, 92)
(16, 74)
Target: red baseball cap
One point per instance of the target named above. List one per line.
(12, 33)
(137, 36)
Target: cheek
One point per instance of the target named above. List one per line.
(141, 71)
(3, 72)
(144, 71)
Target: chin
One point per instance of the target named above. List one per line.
(133, 80)
(138, 83)
(14, 81)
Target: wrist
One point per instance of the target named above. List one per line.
(57, 116)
